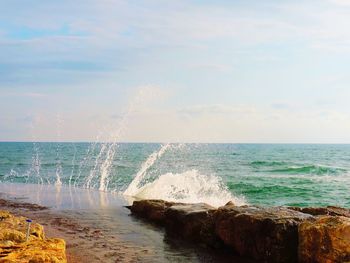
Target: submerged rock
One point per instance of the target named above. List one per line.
(264, 234)
(15, 248)
(325, 240)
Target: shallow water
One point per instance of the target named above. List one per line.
(105, 211)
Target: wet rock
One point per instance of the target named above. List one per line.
(15, 248)
(329, 210)
(275, 234)
(194, 222)
(264, 234)
(153, 210)
(325, 240)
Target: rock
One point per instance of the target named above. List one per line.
(15, 248)
(35, 251)
(194, 222)
(153, 210)
(263, 234)
(329, 210)
(325, 240)
(275, 234)
(230, 203)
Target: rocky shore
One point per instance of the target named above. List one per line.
(23, 241)
(85, 241)
(274, 234)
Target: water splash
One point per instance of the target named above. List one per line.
(36, 163)
(35, 167)
(135, 184)
(73, 164)
(105, 158)
(59, 171)
(188, 187)
(58, 167)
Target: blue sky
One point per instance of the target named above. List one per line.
(193, 71)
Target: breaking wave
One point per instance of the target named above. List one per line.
(188, 187)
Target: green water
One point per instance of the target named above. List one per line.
(301, 175)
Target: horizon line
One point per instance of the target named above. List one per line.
(143, 142)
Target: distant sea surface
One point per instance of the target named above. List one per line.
(260, 174)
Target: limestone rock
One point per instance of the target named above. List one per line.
(35, 251)
(329, 210)
(15, 248)
(325, 240)
(264, 234)
(153, 210)
(195, 222)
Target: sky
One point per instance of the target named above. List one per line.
(175, 71)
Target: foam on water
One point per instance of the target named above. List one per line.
(188, 187)
(135, 184)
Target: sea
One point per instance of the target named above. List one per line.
(256, 174)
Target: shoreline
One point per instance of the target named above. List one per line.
(84, 241)
(87, 243)
(98, 228)
(106, 231)
(42, 215)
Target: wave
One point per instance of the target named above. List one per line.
(309, 169)
(268, 163)
(189, 187)
(293, 168)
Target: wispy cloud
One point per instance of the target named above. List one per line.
(257, 64)
(23, 94)
(216, 109)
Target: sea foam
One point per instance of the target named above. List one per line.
(188, 187)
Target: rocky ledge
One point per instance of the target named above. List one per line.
(274, 234)
(14, 246)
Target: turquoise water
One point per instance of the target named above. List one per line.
(301, 175)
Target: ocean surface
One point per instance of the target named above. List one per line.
(260, 174)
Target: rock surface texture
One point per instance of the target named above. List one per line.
(15, 248)
(275, 234)
(325, 240)
(194, 222)
(264, 234)
(318, 211)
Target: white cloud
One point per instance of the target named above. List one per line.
(216, 109)
(341, 2)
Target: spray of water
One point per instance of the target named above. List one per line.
(59, 171)
(58, 167)
(36, 163)
(105, 158)
(94, 170)
(35, 168)
(135, 184)
(73, 164)
(188, 187)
